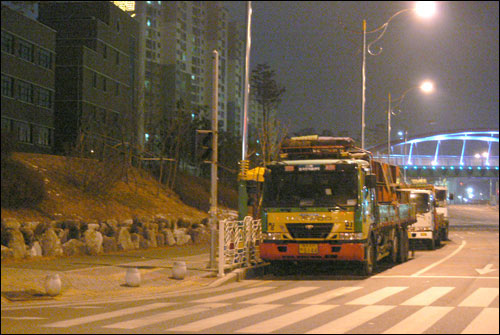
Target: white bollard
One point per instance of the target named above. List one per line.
(53, 284)
(179, 270)
(133, 277)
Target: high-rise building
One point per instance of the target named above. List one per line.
(96, 71)
(28, 78)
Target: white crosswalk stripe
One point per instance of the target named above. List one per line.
(162, 317)
(352, 320)
(280, 295)
(223, 318)
(108, 315)
(286, 319)
(419, 321)
(428, 296)
(325, 296)
(482, 323)
(481, 297)
(301, 306)
(379, 295)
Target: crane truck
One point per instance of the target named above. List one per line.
(327, 200)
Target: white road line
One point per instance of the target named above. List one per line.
(374, 297)
(419, 321)
(280, 295)
(322, 297)
(428, 296)
(481, 297)
(286, 319)
(440, 261)
(161, 317)
(233, 295)
(223, 318)
(352, 320)
(485, 323)
(109, 315)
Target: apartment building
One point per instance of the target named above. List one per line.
(28, 78)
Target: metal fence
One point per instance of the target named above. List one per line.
(241, 242)
(421, 160)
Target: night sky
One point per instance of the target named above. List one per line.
(320, 64)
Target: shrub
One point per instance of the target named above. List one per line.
(22, 187)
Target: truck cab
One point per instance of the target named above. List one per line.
(426, 229)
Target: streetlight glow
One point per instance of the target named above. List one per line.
(425, 9)
(427, 86)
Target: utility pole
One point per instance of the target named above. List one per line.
(213, 188)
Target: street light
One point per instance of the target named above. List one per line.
(424, 9)
(426, 87)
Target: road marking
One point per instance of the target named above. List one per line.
(428, 296)
(233, 295)
(486, 269)
(109, 315)
(352, 320)
(223, 318)
(286, 319)
(322, 297)
(440, 261)
(419, 321)
(481, 297)
(280, 295)
(447, 277)
(161, 317)
(374, 297)
(485, 323)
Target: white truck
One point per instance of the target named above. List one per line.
(427, 227)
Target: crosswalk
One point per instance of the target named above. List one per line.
(311, 310)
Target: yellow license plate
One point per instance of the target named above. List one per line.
(308, 248)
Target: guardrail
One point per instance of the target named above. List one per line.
(426, 160)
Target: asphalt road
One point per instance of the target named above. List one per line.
(451, 290)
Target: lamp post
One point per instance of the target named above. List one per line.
(423, 9)
(426, 87)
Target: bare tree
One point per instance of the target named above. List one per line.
(267, 93)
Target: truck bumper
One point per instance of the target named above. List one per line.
(420, 235)
(272, 251)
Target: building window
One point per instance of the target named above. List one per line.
(7, 86)
(43, 136)
(44, 98)
(26, 50)
(94, 80)
(104, 51)
(25, 91)
(44, 59)
(7, 42)
(6, 124)
(23, 132)
(104, 88)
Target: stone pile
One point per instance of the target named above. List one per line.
(76, 237)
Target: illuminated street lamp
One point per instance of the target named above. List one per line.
(424, 9)
(426, 87)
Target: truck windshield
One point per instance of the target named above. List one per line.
(422, 201)
(334, 185)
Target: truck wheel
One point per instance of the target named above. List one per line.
(404, 246)
(394, 256)
(370, 261)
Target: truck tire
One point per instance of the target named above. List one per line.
(370, 262)
(404, 246)
(431, 244)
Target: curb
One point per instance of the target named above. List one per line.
(240, 274)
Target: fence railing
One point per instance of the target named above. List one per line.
(420, 160)
(241, 242)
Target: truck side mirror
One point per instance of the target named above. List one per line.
(450, 196)
(370, 180)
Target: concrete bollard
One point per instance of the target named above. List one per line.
(133, 277)
(179, 270)
(53, 284)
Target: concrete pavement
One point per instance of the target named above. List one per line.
(90, 278)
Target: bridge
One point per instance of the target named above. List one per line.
(462, 153)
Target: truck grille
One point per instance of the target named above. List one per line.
(309, 230)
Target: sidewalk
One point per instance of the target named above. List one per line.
(89, 278)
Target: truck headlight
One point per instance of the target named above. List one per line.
(271, 236)
(350, 236)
